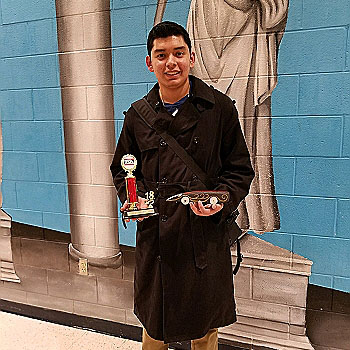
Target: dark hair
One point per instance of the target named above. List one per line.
(165, 29)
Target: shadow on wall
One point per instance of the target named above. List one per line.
(328, 318)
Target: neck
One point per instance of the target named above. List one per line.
(169, 95)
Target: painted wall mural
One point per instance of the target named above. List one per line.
(69, 69)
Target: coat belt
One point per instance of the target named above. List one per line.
(163, 191)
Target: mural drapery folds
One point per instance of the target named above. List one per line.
(236, 45)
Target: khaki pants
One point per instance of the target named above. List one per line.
(208, 342)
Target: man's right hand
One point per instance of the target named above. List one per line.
(141, 204)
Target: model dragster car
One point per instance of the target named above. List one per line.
(212, 197)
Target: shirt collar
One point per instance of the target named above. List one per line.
(200, 91)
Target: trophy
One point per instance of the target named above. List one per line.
(129, 163)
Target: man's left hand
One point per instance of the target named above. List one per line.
(205, 210)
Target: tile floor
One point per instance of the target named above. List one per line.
(24, 333)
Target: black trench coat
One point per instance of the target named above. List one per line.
(183, 277)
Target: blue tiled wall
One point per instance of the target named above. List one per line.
(34, 185)
(317, 136)
(311, 133)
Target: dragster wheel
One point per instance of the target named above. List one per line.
(213, 200)
(185, 200)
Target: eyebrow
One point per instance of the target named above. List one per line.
(176, 48)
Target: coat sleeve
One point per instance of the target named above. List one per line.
(126, 145)
(236, 173)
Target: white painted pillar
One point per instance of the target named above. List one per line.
(85, 57)
(7, 269)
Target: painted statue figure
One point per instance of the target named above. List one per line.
(236, 45)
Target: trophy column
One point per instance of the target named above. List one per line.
(85, 59)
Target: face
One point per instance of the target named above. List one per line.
(170, 61)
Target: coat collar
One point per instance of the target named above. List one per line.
(201, 91)
(201, 98)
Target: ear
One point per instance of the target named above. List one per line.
(192, 59)
(149, 64)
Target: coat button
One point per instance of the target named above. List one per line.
(194, 177)
(196, 140)
(159, 258)
(162, 143)
(164, 218)
(164, 180)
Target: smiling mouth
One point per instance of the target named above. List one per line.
(172, 74)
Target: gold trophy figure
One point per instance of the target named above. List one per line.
(129, 164)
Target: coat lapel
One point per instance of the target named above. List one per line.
(187, 117)
(201, 99)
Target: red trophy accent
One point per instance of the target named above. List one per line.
(131, 189)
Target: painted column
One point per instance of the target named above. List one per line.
(85, 58)
(7, 269)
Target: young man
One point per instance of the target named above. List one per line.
(183, 275)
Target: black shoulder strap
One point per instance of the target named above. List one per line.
(149, 116)
(239, 257)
